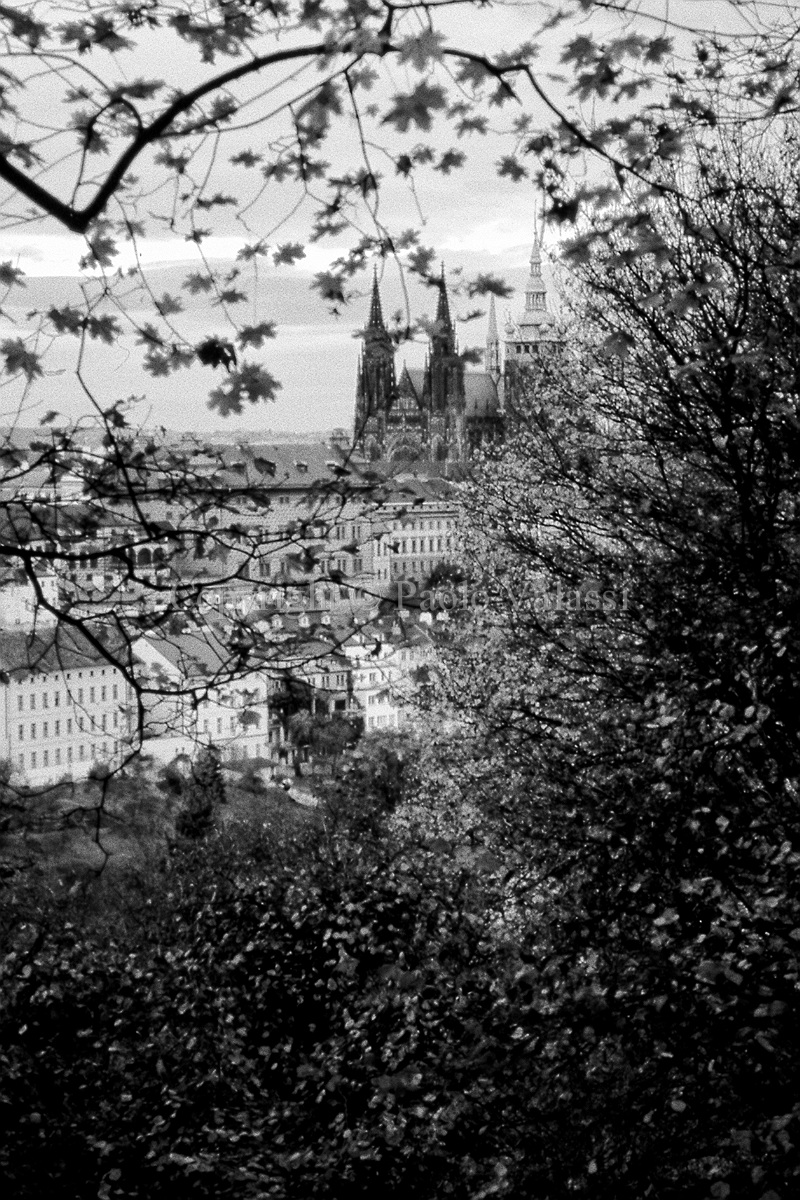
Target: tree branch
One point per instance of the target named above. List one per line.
(79, 219)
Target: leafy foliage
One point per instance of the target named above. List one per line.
(634, 678)
(205, 792)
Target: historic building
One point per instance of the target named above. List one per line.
(438, 412)
(532, 335)
(442, 412)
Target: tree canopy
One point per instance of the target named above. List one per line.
(634, 674)
(608, 1008)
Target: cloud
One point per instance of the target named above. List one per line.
(48, 255)
(500, 237)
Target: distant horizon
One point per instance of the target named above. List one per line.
(313, 357)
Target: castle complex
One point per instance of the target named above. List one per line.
(442, 412)
(290, 550)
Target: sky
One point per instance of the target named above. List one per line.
(475, 221)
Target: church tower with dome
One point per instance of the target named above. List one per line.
(533, 334)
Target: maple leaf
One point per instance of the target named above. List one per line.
(222, 109)
(363, 77)
(423, 154)
(421, 260)
(196, 282)
(138, 89)
(231, 296)
(511, 168)
(24, 26)
(289, 253)
(278, 171)
(415, 107)
(67, 319)
(658, 48)
(149, 336)
(252, 250)
(485, 284)
(256, 335)
(19, 360)
(11, 275)
(250, 384)
(105, 329)
(421, 48)
(214, 352)
(168, 305)
(217, 200)
(330, 286)
(102, 251)
(473, 73)
(471, 125)
(449, 160)
(581, 50)
(245, 158)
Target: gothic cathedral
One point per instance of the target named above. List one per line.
(441, 412)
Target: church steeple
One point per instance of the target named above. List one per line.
(493, 344)
(536, 289)
(534, 326)
(444, 384)
(376, 388)
(375, 324)
(443, 337)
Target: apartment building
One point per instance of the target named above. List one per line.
(64, 708)
(197, 692)
(383, 656)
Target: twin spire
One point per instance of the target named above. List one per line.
(444, 322)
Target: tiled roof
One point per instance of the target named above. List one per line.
(59, 649)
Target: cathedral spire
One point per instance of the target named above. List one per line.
(492, 343)
(376, 388)
(444, 323)
(375, 323)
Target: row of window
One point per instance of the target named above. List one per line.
(76, 697)
(430, 524)
(84, 754)
(79, 722)
(344, 533)
(233, 724)
(408, 569)
(409, 546)
(381, 721)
